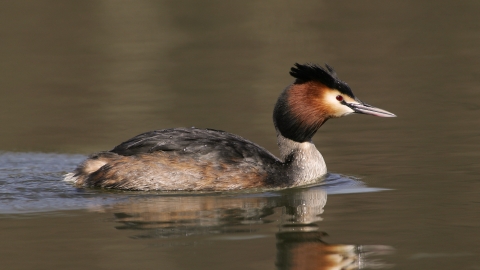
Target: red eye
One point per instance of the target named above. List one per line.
(339, 98)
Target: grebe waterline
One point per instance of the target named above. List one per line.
(192, 159)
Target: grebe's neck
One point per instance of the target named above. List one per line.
(297, 116)
(304, 163)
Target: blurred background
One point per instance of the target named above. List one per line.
(78, 77)
(82, 76)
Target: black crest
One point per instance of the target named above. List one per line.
(311, 72)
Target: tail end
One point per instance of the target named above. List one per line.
(81, 174)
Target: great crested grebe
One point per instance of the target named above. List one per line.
(192, 159)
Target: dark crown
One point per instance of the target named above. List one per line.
(328, 77)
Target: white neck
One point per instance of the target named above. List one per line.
(305, 162)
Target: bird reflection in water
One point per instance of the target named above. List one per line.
(300, 242)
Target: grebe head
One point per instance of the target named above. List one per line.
(315, 96)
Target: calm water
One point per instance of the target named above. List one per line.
(80, 77)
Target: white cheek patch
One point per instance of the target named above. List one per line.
(336, 108)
